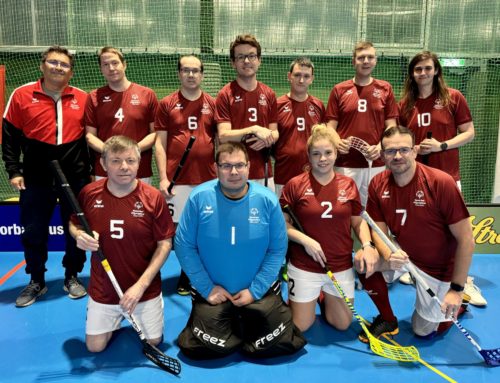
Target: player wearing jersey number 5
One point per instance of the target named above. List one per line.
(423, 208)
(327, 205)
(120, 108)
(133, 228)
(231, 241)
(361, 107)
(246, 108)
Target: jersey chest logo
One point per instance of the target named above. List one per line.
(98, 204)
(262, 100)
(254, 215)
(377, 93)
(419, 200)
(138, 210)
(135, 100)
(311, 111)
(309, 191)
(206, 109)
(238, 99)
(106, 99)
(342, 196)
(438, 104)
(208, 210)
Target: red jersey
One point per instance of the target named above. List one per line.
(243, 109)
(182, 118)
(127, 113)
(325, 214)
(361, 111)
(428, 115)
(40, 118)
(129, 229)
(295, 120)
(419, 214)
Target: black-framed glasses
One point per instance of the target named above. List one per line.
(229, 167)
(404, 151)
(251, 57)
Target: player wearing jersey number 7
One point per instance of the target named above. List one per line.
(327, 205)
(423, 208)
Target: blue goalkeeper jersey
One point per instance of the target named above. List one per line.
(236, 244)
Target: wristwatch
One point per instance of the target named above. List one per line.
(456, 287)
(369, 243)
(444, 146)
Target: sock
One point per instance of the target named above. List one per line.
(379, 294)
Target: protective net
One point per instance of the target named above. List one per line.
(153, 33)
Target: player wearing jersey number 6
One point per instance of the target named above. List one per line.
(327, 205)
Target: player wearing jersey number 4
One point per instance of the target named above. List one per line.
(327, 205)
(246, 109)
(120, 108)
(187, 112)
(231, 241)
(417, 202)
(361, 107)
(133, 228)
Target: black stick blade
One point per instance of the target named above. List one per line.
(491, 357)
(163, 361)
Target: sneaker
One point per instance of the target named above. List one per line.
(74, 288)
(474, 292)
(30, 293)
(183, 286)
(380, 327)
(407, 279)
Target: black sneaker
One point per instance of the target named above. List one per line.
(74, 288)
(183, 286)
(380, 327)
(30, 293)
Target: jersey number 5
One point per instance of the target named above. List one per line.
(116, 229)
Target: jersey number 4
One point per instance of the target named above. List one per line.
(119, 115)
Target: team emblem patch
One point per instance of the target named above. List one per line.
(262, 100)
(138, 210)
(419, 200)
(254, 215)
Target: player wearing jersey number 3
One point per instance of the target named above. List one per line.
(327, 205)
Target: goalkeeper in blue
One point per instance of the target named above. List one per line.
(231, 242)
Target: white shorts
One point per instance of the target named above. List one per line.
(426, 307)
(278, 188)
(146, 180)
(304, 286)
(178, 201)
(362, 178)
(102, 318)
(270, 182)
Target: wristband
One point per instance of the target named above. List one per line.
(456, 287)
(369, 243)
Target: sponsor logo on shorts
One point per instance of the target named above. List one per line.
(209, 338)
(272, 335)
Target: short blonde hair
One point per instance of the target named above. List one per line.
(321, 132)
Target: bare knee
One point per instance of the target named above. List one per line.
(97, 343)
(339, 322)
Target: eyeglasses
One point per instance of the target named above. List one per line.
(404, 151)
(251, 57)
(55, 63)
(229, 167)
(188, 71)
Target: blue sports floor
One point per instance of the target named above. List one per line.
(45, 342)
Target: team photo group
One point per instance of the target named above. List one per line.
(253, 190)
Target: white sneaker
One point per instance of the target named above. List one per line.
(474, 292)
(407, 279)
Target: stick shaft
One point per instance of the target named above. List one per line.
(181, 163)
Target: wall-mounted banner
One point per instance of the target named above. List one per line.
(485, 221)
